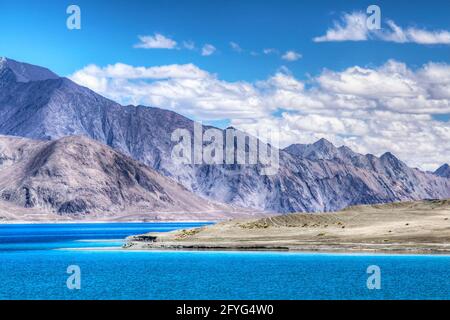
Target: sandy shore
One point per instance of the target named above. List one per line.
(412, 227)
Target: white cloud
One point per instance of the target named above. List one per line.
(413, 35)
(157, 41)
(428, 37)
(387, 108)
(236, 47)
(208, 49)
(184, 88)
(392, 80)
(190, 45)
(124, 71)
(353, 27)
(291, 56)
(393, 34)
(270, 51)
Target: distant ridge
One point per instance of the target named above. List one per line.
(443, 171)
(25, 72)
(312, 178)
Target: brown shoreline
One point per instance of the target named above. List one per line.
(386, 249)
(413, 227)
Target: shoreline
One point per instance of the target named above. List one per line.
(18, 222)
(380, 252)
(415, 227)
(393, 249)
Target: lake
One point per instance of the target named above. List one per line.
(34, 261)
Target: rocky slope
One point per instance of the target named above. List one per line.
(443, 171)
(311, 178)
(77, 177)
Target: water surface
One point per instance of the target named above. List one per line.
(34, 260)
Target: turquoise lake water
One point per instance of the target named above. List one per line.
(34, 260)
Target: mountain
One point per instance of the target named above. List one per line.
(325, 150)
(387, 164)
(443, 171)
(322, 149)
(77, 177)
(24, 72)
(312, 178)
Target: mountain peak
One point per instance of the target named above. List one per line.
(25, 72)
(324, 143)
(391, 161)
(321, 149)
(443, 171)
(387, 155)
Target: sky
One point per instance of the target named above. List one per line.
(307, 69)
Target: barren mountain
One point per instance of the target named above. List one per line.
(311, 178)
(443, 171)
(75, 177)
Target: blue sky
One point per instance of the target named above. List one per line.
(375, 91)
(35, 31)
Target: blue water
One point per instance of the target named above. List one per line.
(34, 260)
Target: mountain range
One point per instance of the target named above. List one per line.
(76, 177)
(37, 104)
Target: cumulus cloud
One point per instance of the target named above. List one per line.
(372, 110)
(414, 35)
(183, 88)
(124, 71)
(157, 41)
(208, 49)
(353, 27)
(291, 56)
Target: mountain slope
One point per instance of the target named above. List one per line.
(443, 171)
(317, 178)
(24, 72)
(75, 176)
(322, 149)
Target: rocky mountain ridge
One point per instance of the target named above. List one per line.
(310, 178)
(76, 177)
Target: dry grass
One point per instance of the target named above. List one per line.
(422, 226)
